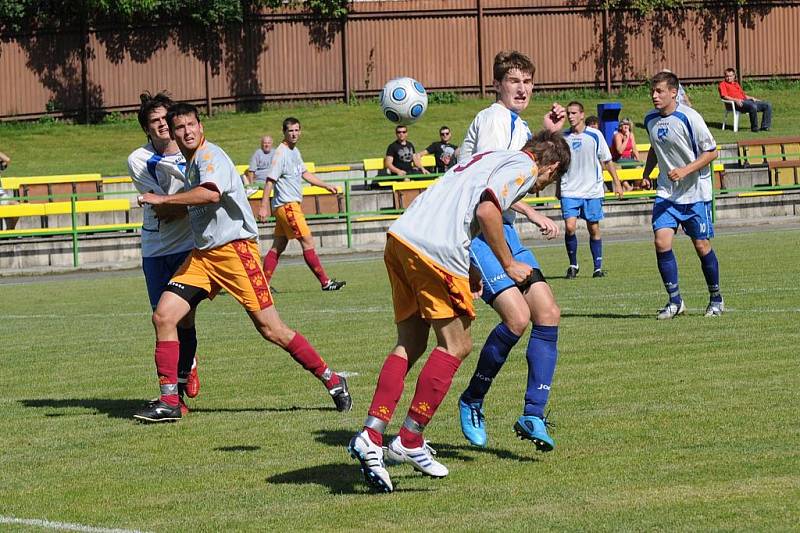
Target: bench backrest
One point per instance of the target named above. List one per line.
(762, 151)
(35, 189)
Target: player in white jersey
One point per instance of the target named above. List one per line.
(225, 257)
(683, 147)
(287, 174)
(498, 128)
(581, 190)
(159, 166)
(427, 259)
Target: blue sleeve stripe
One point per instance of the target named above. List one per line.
(685, 121)
(514, 118)
(151, 165)
(648, 118)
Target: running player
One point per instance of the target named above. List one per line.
(286, 173)
(225, 256)
(500, 127)
(581, 190)
(428, 263)
(167, 239)
(683, 147)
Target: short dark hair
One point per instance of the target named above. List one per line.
(592, 119)
(400, 126)
(509, 60)
(149, 103)
(730, 69)
(444, 128)
(179, 110)
(289, 121)
(669, 77)
(576, 104)
(550, 147)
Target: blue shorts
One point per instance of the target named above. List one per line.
(695, 219)
(589, 209)
(158, 271)
(495, 279)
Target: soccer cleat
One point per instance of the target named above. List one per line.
(534, 429)
(572, 272)
(420, 458)
(158, 411)
(193, 382)
(715, 308)
(472, 422)
(370, 455)
(184, 407)
(599, 273)
(333, 285)
(341, 395)
(671, 310)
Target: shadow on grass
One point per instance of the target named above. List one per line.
(259, 409)
(643, 316)
(240, 448)
(338, 478)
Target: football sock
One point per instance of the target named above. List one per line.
(668, 267)
(542, 354)
(710, 267)
(433, 383)
(312, 260)
(270, 263)
(387, 393)
(571, 242)
(493, 355)
(596, 246)
(187, 337)
(305, 354)
(166, 355)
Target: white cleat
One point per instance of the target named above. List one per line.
(715, 308)
(420, 458)
(671, 310)
(370, 455)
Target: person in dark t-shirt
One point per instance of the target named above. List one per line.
(442, 150)
(399, 158)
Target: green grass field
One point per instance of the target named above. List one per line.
(687, 425)
(339, 133)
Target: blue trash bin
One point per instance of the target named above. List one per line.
(608, 113)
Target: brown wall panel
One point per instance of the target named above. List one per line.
(771, 45)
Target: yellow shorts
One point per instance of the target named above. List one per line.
(290, 221)
(235, 267)
(421, 288)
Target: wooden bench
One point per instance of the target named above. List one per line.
(67, 230)
(375, 164)
(39, 189)
(762, 151)
(784, 172)
(316, 201)
(82, 207)
(635, 174)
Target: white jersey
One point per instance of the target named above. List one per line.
(494, 128)
(584, 178)
(440, 223)
(678, 139)
(161, 174)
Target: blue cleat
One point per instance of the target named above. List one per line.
(472, 425)
(534, 429)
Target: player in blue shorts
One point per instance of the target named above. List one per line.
(683, 147)
(581, 189)
(500, 127)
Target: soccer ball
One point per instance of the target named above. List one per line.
(403, 100)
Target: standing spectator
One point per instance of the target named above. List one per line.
(399, 158)
(260, 162)
(443, 151)
(730, 89)
(10, 222)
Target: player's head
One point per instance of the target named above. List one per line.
(445, 134)
(401, 132)
(291, 130)
(266, 143)
(185, 126)
(664, 90)
(513, 79)
(552, 156)
(730, 75)
(153, 113)
(575, 114)
(593, 122)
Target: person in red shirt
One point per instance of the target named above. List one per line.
(731, 90)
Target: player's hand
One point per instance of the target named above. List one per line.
(332, 189)
(554, 119)
(263, 214)
(646, 184)
(518, 272)
(677, 174)
(547, 226)
(150, 198)
(401, 172)
(619, 191)
(475, 282)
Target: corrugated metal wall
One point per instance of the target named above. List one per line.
(283, 56)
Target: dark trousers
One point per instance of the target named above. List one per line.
(752, 107)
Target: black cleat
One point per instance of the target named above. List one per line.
(333, 285)
(341, 396)
(158, 411)
(599, 273)
(572, 272)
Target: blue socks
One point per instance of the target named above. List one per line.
(493, 355)
(571, 242)
(668, 267)
(542, 354)
(596, 246)
(710, 267)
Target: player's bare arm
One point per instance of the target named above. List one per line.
(491, 222)
(263, 209)
(198, 196)
(705, 159)
(313, 180)
(616, 183)
(167, 213)
(649, 165)
(548, 228)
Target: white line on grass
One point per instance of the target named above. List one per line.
(73, 316)
(63, 526)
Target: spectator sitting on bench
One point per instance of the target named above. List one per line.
(260, 162)
(624, 152)
(730, 89)
(399, 158)
(443, 151)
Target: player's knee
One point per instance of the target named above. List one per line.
(164, 320)
(460, 349)
(518, 322)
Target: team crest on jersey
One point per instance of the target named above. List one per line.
(576, 144)
(662, 132)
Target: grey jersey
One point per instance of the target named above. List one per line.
(231, 218)
(584, 178)
(260, 164)
(287, 174)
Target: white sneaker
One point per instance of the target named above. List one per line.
(420, 458)
(671, 310)
(370, 455)
(715, 308)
